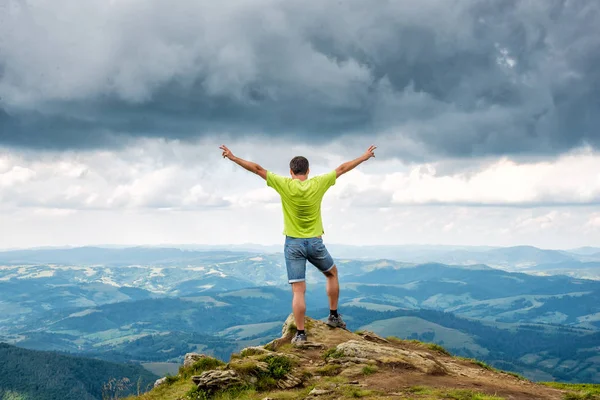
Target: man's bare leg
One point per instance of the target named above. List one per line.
(333, 287)
(299, 303)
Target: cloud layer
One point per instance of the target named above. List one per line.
(432, 79)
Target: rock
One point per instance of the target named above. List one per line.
(319, 392)
(373, 337)
(388, 355)
(288, 382)
(349, 360)
(191, 358)
(310, 345)
(289, 327)
(253, 351)
(160, 382)
(216, 380)
(354, 371)
(247, 367)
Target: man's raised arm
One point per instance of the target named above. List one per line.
(350, 165)
(249, 165)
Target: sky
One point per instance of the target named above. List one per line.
(486, 115)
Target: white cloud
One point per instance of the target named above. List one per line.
(158, 192)
(571, 179)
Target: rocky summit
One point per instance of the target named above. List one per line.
(336, 364)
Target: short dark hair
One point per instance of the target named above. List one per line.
(299, 165)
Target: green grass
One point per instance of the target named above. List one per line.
(420, 390)
(438, 348)
(332, 353)
(577, 391)
(431, 346)
(177, 390)
(468, 395)
(246, 368)
(484, 365)
(480, 363)
(356, 393)
(203, 364)
(369, 369)
(237, 392)
(455, 394)
(247, 352)
(279, 366)
(329, 370)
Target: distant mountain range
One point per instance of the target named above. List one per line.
(152, 305)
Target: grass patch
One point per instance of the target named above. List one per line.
(332, 353)
(357, 393)
(484, 365)
(431, 346)
(436, 347)
(578, 391)
(265, 383)
(279, 366)
(235, 392)
(469, 395)
(329, 370)
(171, 379)
(335, 379)
(456, 394)
(480, 363)
(369, 369)
(420, 390)
(246, 368)
(177, 390)
(250, 351)
(203, 364)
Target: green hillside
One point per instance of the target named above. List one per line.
(41, 375)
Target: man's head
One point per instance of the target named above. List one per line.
(299, 166)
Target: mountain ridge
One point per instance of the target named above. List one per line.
(336, 364)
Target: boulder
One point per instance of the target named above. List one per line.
(373, 337)
(289, 381)
(289, 327)
(253, 351)
(215, 380)
(191, 358)
(160, 382)
(395, 357)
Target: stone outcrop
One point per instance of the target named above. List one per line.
(366, 364)
(160, 381)
(191, 358)
(215, 380)
(366, 351)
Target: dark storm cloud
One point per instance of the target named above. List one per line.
(456, 78)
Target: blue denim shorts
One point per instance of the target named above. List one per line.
(298, 250)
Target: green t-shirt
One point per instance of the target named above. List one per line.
(301, 203)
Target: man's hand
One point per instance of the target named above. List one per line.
(350, 165)
(370, 152)
(226, 152)
(248, 165)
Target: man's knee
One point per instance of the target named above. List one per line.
(331, 273)
(299, 287)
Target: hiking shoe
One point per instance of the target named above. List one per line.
(300, 338)
(336, 322)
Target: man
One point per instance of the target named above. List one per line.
(301, 202)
